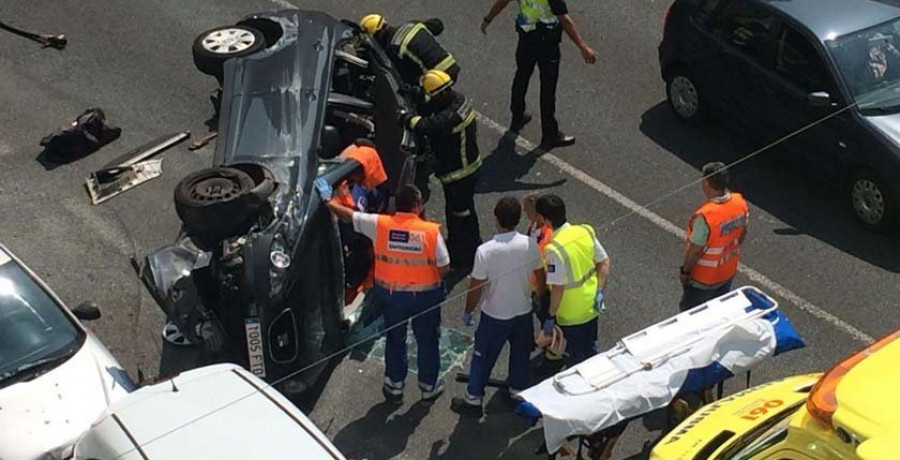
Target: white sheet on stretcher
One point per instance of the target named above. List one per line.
(737, 348)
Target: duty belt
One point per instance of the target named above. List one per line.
(401, 287)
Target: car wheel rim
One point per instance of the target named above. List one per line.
(683, 95)
(868, 201)
(215, 189)
(228, 41)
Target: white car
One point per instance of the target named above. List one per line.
(56, 378)
(216, 412)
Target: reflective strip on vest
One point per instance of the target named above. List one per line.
(402, 261)
(720, 258)
(404, 35)
(532, 12)
(446, 63)
(468, 115)
(574, 246)
(400, 287)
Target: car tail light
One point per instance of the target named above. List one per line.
(822, 402)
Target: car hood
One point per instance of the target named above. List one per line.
(723, 422)
(42, 418)
(273, 101)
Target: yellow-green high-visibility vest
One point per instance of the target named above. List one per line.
(532, 12)
(573, 245)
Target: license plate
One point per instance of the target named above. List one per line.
(255, 347)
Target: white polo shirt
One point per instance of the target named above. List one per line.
(505, 262)
(367, 224)
(556, 268)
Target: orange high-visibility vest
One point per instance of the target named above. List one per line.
(543, 235)
(406, 253)
(726, 221)
(373, 169)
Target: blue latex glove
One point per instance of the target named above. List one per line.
(548, 326)
(468, 319)
(324, 189)
(598, 302)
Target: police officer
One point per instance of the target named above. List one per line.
(410, 262)
(577, 271)
(714, 237)
(412, 46)
(448, 120)
(540, 24)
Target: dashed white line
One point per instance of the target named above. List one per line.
(661, 222)
(666, 225)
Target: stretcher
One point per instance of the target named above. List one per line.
(645, 371)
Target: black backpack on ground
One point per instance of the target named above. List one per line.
(85, 135)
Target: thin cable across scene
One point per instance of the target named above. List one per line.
(515, 269)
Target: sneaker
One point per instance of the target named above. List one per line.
(561, 140)
(462, 406)
(433, 394)
(519, 122)
(393, 392)
(173, 335)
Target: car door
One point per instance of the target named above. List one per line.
(799, 71)
(742, 33)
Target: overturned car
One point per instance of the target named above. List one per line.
(257, 274)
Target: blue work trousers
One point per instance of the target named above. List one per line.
(400, 307)
(490, 337)
(581, 342)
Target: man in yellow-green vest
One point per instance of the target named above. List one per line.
(577, 271)
(540, 24)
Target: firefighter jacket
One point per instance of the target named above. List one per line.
(449, 123)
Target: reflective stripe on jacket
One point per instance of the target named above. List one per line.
(721, 255)
(574, 247)
(413, 41)
(405, 253)
(531, 12)
(453, 135)
(543, 235)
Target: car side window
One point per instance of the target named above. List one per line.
(745, 25)
(797, 60)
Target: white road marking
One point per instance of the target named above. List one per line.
(757, 277)
(661, 222)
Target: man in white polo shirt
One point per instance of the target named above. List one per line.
(500, 286)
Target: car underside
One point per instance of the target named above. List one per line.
(257, 273)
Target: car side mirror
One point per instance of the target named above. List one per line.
(87, 311)
(818, 99)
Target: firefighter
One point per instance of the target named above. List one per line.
(448, 120)
(412, 47)
(410, 262)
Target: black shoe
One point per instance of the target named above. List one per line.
(434, 394)
(561, 140)
(461, 407)
(519, 122)
(392, 395)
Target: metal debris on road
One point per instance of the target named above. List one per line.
(107, 183)
(48, 41)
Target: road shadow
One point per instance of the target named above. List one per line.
(503, 169)
(806, 204)
(382, 432)
(496, 435)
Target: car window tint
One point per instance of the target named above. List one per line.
(797, 60)
(744, 25)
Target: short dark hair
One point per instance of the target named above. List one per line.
(551, 208)
(508, 212)
(716, 174)
(407, 198)
(363, 142)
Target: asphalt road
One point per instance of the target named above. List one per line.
(133, 60)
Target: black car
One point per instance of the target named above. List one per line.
(257, 274)
(827, 70)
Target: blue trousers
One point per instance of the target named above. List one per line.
(490, 337)
(398, 308)
(581, 341)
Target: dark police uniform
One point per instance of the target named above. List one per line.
(539, 36)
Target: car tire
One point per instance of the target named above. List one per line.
(871, 200)
(213, 203)
(215, 46)
(684, 96)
